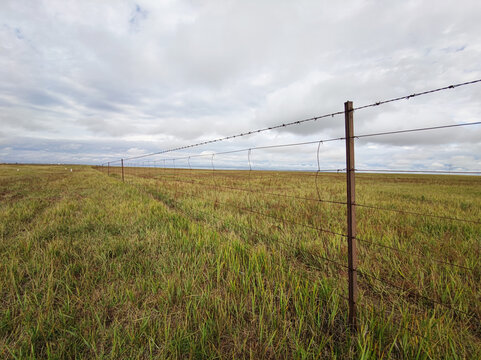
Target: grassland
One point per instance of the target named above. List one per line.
(230, 264)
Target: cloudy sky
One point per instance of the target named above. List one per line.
(92, 81)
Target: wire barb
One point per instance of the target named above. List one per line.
(407, 97)
(298, 122)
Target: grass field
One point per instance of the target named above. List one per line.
(231, 264)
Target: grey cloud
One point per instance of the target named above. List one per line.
(101, 105)
(14, 119)
(108, 127)
(466, 135)
(179, 72)
(35, 150)
(42, 98)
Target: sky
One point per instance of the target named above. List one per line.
(94, 81)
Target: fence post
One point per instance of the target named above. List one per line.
(351, 214)
(108, 169)
(122, 163)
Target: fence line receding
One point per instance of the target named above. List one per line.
(316, 211)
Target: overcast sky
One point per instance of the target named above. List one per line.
(90, 81)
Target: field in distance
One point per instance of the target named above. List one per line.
(176, 263)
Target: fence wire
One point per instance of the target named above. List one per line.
(269, 199)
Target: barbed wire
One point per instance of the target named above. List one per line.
(407, 97)
(416, 130)
(276, 146)
(259, 192)
(411, 253)
(248, 150)
(298, 122)
(192, 216)
(250, 229)
(173, 177)
(410, 292)
(415, 294)
(244, 209)
(285, 224)
(410, 330)
(420, 171)
(367, 241)
(417, 213)
(319, 199)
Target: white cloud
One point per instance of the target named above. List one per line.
(170, 73)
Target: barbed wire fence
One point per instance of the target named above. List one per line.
(255, 203)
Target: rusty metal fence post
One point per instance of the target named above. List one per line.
(351, 215)
(122, 164)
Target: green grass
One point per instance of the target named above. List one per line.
(196, 264)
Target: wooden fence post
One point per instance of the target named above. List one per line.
(351, 215)
(122, 163)
(108, 169)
